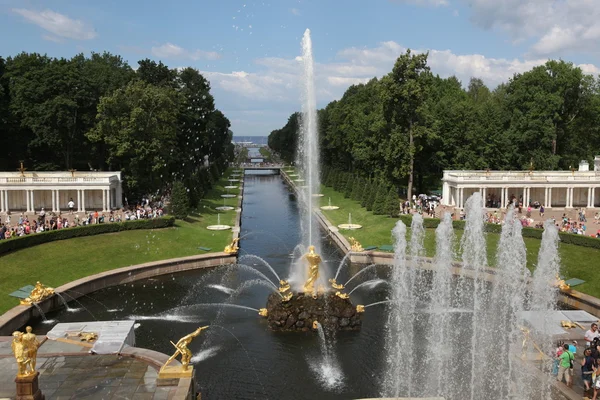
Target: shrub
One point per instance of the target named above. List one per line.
(366, 194)
(372, 196)
(379, 206)
(357, 189)
(392, 204)
(80, 231)
(348, 186)
(180, 206)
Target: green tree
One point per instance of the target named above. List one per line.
(357, 189)
(373, 196)
(379, 205)
(138, 124)
(349, 186)
(392, 203)
(366, 194)
(405, 93)
(179, 201)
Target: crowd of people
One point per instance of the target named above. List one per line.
(564, 361)
(25, 224)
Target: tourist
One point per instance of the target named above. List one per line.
(587, 368)
(565, 361)
(591, 334)
(71, 205)
(542, 211)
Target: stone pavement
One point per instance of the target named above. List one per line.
(67, 371)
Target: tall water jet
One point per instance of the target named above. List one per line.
(474, 246)
(441, 343)
(399, 340)
(543, 295)
(309, 154)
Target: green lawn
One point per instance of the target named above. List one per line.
(577, 262)
(63, 261)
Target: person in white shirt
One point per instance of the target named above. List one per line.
(71, 205)
(591, 334)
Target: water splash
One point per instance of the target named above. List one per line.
(342, 263)
(62, 299)
(261, 260)
(369, 284)
(327, 368)
(221, 288)
(205, 354)
(365, 269)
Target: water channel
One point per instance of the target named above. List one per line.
(262, 364)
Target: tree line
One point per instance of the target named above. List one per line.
(155, 124)
(407, 127)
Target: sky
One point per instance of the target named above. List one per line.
(250, 50)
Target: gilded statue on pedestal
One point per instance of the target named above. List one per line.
(336, 285)
(24, 364)
(31, 345)
(263, 312)
(181, 346)
(561, 284)
(232, 248)
(313, 270)
(39, 293)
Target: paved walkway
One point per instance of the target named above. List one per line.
(67, 371)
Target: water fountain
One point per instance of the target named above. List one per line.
(349, 225)
(218, 226)
(224, 207)
(329, 207)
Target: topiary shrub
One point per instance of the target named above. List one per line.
(366, 194)
(34, 239)
(392, 203)
(357, 189)
(180, 206)
(349, 186)
(379, 206)
(372, 196)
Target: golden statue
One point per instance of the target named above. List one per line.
(355, 245)
(287, 297)
(232, 248)
(568, 324)
(31, 345)
(263, 312)
(186, 356)
(561, 284)
(313, 270)
(87, 336)
(360, 308)
(22, 170)
(284, 286)
(39, 293)
(315, 325)
(336, 285)
(342, 295)
(24, 367)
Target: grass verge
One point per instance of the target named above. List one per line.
(57, 263)
(577, 261)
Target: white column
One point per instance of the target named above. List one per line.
(108, 200)
(28, 201)
(53, 200)
(502, 197)
(569, 194)
(32, 203)
(82, 200)
(589, 197)
(103, 200)
(6, 209)
(1, 200)
(78, 200)
(57, 200)
(593, 196)
(484, 195)
(549, 199)
(460, 197)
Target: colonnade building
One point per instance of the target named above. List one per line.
(552, 189)
(30, 191)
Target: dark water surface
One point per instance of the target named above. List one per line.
(251, 362)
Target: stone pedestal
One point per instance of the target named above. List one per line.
(27, 388)
(171, 372)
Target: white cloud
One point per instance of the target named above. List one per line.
(280, 79)
(170, 50)
(555, 26)
(295, 11)
(58, 24)
(435, 3)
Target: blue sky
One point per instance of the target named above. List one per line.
(249, 49)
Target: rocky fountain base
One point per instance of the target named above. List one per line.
(301, 311)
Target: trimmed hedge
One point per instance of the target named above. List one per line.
(567, 238)
(34, 239)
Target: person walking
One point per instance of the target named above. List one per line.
(71, 205)
(564, 364)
